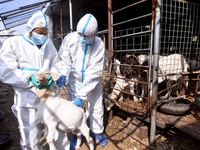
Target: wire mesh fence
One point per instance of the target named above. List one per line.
(179, 51)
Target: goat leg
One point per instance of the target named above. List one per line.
(50, 136)
(86, 132)
(78, 135)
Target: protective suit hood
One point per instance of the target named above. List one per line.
(88, 26)
(37, 20)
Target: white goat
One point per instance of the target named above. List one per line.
(121, 83)
(58, 114)
(172, 64)
(143, 58)
(170, 67)
(118, 87)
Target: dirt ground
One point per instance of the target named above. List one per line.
(119, 138)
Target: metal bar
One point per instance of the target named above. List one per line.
(39, 3)
(3, 22)
(110, 29)
(136, 28)
(150, 60)
(17, 20)
(70, 16)
(61, 25)
(130, 50)
(18, 15)
(19, 11)
(6, 35)
(157, 6)
(103, 31)
(128, 93)
(169, 87)
(110, 35)
(133, 19)
(169, 74)
(27, 6)
(134, 34)
(129, 6)
(127, 79)
(135, 111)
(5, 1)
(15, 14)
(16, 25)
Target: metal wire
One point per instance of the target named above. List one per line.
(180, 28)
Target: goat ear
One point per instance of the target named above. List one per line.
(55, 76)
(40, 92)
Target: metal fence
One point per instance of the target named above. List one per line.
(133, 35)
(180, 28)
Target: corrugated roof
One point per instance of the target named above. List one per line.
(20, 15)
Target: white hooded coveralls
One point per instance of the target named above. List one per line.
(19, 59)
(83, 66)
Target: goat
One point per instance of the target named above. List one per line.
(119, 85)
(58, 114)
(170, 67)
(143, 58)
(123, 72)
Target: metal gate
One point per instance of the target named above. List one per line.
(133, 53)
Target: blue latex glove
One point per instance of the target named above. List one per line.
(61, 82)
(50, 82)
(35, 81)
(78, 101)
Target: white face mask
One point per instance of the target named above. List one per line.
(85, 40)
(38, 39)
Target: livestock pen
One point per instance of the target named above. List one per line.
(154, 63)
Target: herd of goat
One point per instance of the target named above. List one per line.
(128, 76)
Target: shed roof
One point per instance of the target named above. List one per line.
(18, 15)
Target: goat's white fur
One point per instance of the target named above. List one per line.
(119, 85)
(57, 113)
(171, 64)
(142, 58)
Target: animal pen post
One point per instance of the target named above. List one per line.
(156, 61)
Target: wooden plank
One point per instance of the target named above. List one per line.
(159, 123)
(188, 129)
(186, 124)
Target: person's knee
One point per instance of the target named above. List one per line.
(30, 137)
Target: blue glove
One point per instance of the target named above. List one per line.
(78, 101)
(35, 81)
(61, 82)
(50, 82)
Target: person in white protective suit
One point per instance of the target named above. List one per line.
(20, 58)
(82, 55)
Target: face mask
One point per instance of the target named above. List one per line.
(38, 39)
(84, 40)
